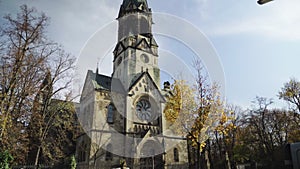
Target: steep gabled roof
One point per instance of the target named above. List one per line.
(136, 2)
(103, 82)
(129, 6)
(99, 81)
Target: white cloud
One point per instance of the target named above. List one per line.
(72, 22)
(280, 20)
(74, 25)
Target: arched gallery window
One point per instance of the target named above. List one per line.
(108, 155)
(176, 155)
(82, 153)
(110, 114)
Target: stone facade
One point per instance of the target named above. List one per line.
(122, 115)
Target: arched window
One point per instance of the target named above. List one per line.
(176, 155)
(110, 114)
(108, 155)
(120, 59)
(144, 26)
(82, 152)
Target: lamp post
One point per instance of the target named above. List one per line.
(261, 2)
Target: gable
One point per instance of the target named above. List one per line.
(119, 49)
(140, 42)
(143, 45)
(143, 84)
(87, 87)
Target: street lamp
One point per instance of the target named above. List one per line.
(261, 2)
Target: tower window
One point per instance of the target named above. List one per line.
(144, 27)
(119, 61)
(108, 155)
(176, 155)
(144, 58)
(110, 114)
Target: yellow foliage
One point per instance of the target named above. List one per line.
(192, 115)
(226, 123)
(175, 101)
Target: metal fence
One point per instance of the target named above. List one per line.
(175, 166)
(29, 166)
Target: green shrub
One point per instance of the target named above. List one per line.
(72, 162)
(5, 159)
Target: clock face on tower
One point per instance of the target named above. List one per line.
(143, 110)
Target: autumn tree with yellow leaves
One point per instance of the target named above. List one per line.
(225, 135)
(290, 92)
(194, 111)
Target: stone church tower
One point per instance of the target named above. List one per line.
(122, 115)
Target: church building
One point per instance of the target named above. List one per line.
(122, 114)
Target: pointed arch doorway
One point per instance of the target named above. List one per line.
(151, 156)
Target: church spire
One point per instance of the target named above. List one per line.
(136, 49)
(131, 6)
(135, 18)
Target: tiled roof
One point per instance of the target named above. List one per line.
(129, 6)
(103, 82)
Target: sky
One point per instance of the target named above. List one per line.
(257, 46)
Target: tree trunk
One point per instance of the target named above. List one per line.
(227, 160)
(36, 162)
(3, 126)
(207, 159)
(198, 156)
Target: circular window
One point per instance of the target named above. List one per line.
(143, 110)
